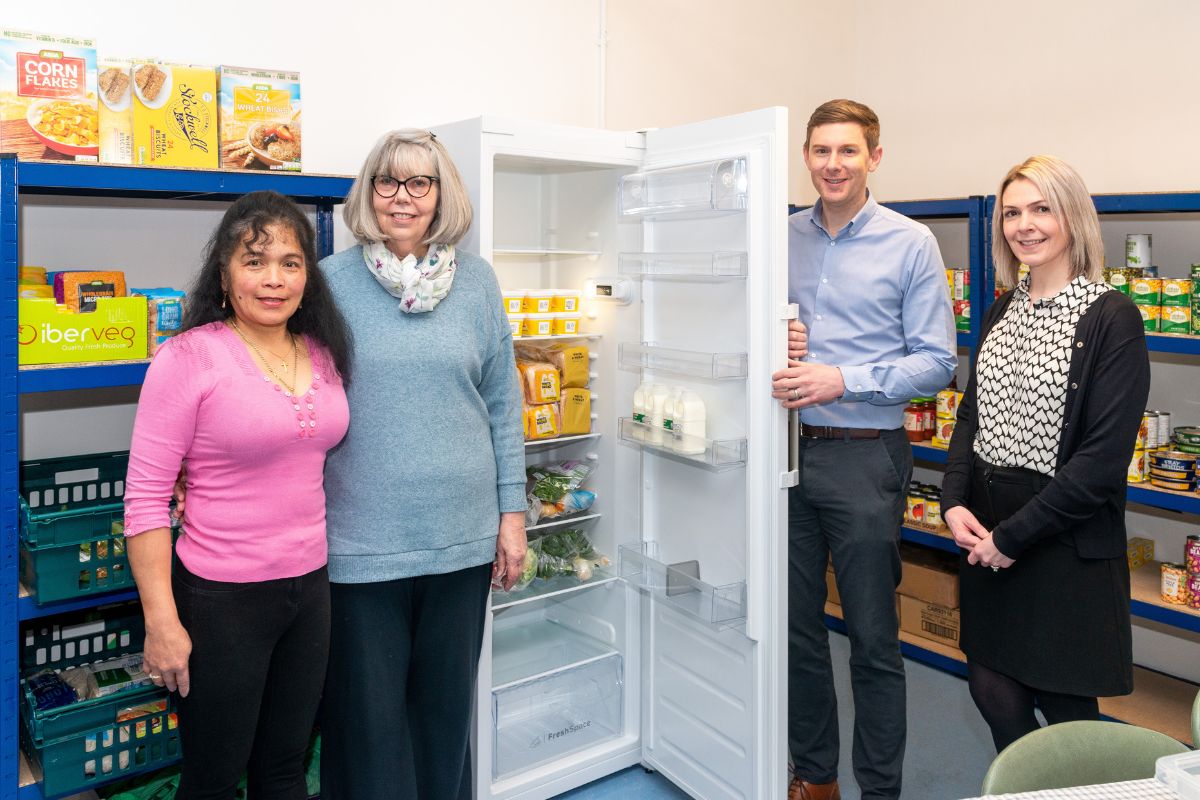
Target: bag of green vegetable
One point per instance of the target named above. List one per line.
(549, 482)
(567, 552)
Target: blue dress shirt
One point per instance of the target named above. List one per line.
(876, 303)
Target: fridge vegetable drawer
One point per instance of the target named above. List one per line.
(546, 718)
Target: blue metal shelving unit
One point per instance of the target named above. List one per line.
(19, 178)
(918, 536)
(929, 453)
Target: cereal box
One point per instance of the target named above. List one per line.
(174, 115)
(260, 119)
(48, 97)
(115, 82)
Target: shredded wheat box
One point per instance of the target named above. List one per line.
(174, 115)
(260, 119)
(115, 83)
(48, 97)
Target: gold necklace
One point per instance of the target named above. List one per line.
(291, 387)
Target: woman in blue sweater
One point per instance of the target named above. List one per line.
(425, 495)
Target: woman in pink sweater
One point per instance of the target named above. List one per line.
(248, 399)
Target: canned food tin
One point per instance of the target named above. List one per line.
(1150, 317)
(1137, 250)
(1174, 486)
(933, 511)
(945, 429)
(1137, 467)
(1193, 591)
(1149, 429)
(1173, 585)
(1146, 291)
(1164, 426)
(1175, 319)
(1176, 291)
(1191, 555)
(1195, 314)
(1195, 271)
(1188, 448)
(947, 403)
(1187, 434)
(1173, 474)
(1139, 442)
(916, 508)
(1173, 460)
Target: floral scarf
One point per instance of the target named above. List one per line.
(419, 283)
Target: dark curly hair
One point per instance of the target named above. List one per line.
(247, 221)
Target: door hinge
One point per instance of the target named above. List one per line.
(790, 311)
(789, 479)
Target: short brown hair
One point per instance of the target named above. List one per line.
(1065, 193)
(835, 111)
(410, 151)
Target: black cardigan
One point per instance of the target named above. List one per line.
(1107, 386)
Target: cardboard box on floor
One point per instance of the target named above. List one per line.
(929, 621)
(929, 575)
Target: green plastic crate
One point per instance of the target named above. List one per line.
(72, 499)
(67, 571)
(94, 741)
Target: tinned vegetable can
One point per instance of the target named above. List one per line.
(1146, 291)
(1193, 591)
(1177, 292)
(1173, 586)
(1175, 319)
(1150, 317)
(1137, 250)
(1137, 467)
(1164, 427)
(1191, 555)
(1148, 430)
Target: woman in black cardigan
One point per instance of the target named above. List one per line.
(1034, 491)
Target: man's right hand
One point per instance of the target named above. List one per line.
(797, 342)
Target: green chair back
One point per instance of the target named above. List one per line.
(1078, 754)
(1196, 722)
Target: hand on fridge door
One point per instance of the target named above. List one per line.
(510, 550)
(797, 342)
(807, 385)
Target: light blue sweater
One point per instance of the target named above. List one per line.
(435, 447)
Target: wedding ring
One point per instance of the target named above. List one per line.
(995, 569)
(154, 676)
(796, 394)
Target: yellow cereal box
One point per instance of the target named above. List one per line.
(48, 97)
(174, 115)
(260, 119)
(115, 82)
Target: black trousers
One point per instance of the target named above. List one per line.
(396, 717)
(257, 666)
(848, 505)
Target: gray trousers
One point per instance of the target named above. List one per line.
(848, 505)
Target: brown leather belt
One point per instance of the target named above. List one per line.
(829, 432)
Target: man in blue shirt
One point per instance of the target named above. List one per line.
(875, 329)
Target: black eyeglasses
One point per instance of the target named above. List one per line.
(417, 186)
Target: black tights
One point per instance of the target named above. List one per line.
(1007, 705)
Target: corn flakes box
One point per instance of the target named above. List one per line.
(260, 119)
(115, 83)
(174, 115)
(48, 97)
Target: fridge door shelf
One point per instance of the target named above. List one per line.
(554, 587)
(717, 454)
(711, 266)
(714, 366)
(549, 717)
(538, 648)
(679, 586)
(710, 188)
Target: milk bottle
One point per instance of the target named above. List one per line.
(658, 403)
(688, 423)
(641, 410)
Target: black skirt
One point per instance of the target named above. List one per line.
(1052, 621)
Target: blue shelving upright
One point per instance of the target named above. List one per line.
(20, 178)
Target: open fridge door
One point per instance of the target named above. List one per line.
(710, 562)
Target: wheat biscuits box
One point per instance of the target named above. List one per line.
(174, 115)
(48, 97)
(260, 119)
(115, 83)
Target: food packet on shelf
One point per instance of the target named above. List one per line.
(575, 409)
(164, 314)
(49, 690)
(551, 481)
(80, 289)
(542, 421)
(81, 680)
(569, 358)
(118, 674)
(540, 381)
(572, 502)
(567, 552)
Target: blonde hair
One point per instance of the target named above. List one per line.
(410, 151)
(1069, 202)
(834, 111)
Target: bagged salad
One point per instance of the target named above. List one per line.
(565, 552)
(553, 490)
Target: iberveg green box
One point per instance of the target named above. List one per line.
(48, 334)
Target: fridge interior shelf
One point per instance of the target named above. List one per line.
(561, 522)
(558, 585)
(537, 648)
(710, 266)
(717, 366)
(542, 252)
(713, 453)
(680, 586)
(558, 441)
(708, 188)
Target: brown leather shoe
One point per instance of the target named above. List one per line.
(803, 790)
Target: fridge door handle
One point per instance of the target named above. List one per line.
(792, 477)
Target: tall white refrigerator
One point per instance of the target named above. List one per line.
(675, 656)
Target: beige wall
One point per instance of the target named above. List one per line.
(964, 90)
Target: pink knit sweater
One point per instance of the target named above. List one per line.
(255, 457)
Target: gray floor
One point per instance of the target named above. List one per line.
(949, 748)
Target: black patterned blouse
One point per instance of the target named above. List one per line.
(1022, 374)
